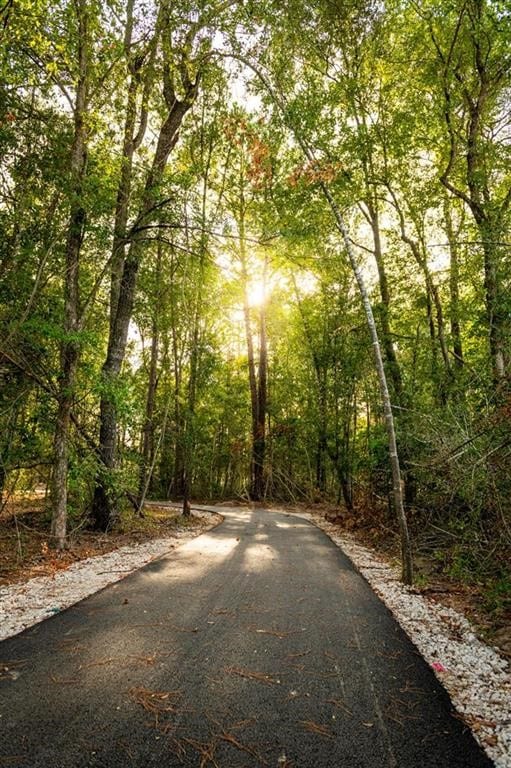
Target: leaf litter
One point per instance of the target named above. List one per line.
(317, 728)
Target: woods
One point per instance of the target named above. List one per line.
(260, 251)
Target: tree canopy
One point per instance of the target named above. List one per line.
(260, 250)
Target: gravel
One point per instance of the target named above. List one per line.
(476, 677)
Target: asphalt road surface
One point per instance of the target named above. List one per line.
(255, 644)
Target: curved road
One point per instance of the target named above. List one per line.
(255, 644)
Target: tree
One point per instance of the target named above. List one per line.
(322, 182)
(472, 54)
(179, 93)
(75, 233)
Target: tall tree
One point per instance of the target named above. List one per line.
(77, 216)
(471, 50)
(317, 173)
(180, 89)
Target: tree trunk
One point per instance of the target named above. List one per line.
(418, 249)
(454, 309)
(321, 445)
(104, 510)
(259, 443)
(391, 360)
(497, 317)
(133, 137)
(148, 430)
(252, 376)
(195, 353)
(406, 554)
(388, 345)
(320, 374)
(69, 353)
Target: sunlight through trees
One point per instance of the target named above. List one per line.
(260, 251)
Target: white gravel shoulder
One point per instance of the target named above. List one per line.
(474, 674)
(32, 601)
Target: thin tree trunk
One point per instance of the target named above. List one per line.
(392, 363)
(406, 554)
(252, 376)
(132, 139)
(69, 353)
(176, 484)
(321, 445)
(195, 354)
(321, 383)
(454, 309)
(388, 345)
(497, 318)
(418, 250)
(373, 219)
(340, 452)
(148, 429)
(259, 447)
(148, 451)
(7, 441)
(432, 336)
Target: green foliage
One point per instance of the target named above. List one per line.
(369, 87)
(498, 595)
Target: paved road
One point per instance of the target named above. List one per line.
(254, 644)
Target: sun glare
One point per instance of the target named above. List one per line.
(256, 294)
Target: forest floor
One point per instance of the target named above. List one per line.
(25, 550)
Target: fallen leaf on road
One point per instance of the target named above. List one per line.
(156, 702)
(64, 680)
(281, 634)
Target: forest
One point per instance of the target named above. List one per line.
(261, 251)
